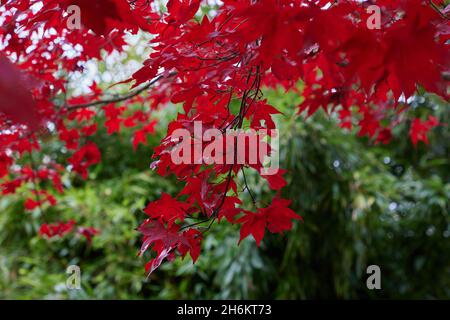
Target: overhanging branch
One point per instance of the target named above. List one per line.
(118, 99)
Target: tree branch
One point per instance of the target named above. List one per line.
(118, 99)
(435, 7)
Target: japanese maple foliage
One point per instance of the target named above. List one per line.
(208, 63)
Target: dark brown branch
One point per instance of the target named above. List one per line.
(438, 10)
(118, 99)
(247, 187)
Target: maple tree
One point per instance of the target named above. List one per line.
(215, 65)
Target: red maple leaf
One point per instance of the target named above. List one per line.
(420, 128)
(277, 217)
(16, 101)
(167, 209)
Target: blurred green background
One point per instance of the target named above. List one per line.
(362, 204)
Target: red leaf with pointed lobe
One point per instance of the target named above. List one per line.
(166, 209)
(277, 218)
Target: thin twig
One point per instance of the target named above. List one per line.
(118, 99)
(436, 8)
(247, 187)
